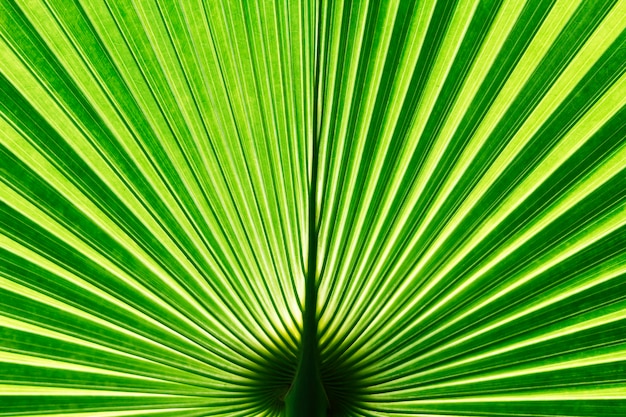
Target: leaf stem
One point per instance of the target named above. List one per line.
(307, 396)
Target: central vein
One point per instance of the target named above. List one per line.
(307, 397)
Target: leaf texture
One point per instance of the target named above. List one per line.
(470, 207)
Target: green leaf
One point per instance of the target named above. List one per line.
(353, 208)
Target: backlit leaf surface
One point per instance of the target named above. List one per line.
(157, 162)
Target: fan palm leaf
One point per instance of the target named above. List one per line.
(351, 208)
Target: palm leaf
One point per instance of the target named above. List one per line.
(388, 208)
